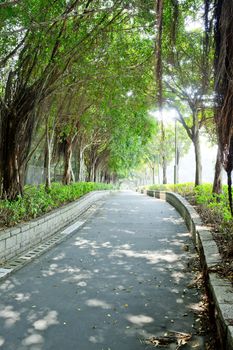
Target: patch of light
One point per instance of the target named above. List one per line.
(96, 339)
(49, 320)
(192, 25)
(22, 297)
(98, 303)
(2, 341)
(10, 316)
(33, 339)
(166, 115)
(139, 320)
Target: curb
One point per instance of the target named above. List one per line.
(13, 265)
(56, 226)
(220, 289)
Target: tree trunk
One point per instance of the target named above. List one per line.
(153, 174)
(81, 165)
(15, 144)
(198, 166)
(164, 165)
(67, 163)
(16, 127)
(12, 175)
(217, 184)
(47, 162)
(93, 170)
(72, 176)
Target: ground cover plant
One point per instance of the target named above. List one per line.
(37, 201)
(215, 212)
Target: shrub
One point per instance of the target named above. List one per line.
(36, 201)
(217, 206)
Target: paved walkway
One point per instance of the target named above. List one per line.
(120, 279)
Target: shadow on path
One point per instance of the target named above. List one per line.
(120, 279)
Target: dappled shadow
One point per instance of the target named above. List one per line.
(108, 287)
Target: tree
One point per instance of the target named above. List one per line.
(223, 84)
(184, 52)
(153, 154)
(39, 44)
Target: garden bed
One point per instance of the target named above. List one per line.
(215, 213)
(37, 201)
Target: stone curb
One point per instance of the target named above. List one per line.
(220, 289)
(23, 237)
(18, 262)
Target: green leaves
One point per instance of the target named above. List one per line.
(37, 201)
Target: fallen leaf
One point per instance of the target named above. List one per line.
(177, 338)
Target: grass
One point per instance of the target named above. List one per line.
(36, 201)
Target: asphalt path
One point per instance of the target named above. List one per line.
(118, 283)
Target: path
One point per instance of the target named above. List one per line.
(118, 280)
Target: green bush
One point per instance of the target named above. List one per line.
(183, 189)
(37, 201)
(217, 205)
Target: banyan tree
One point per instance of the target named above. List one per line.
(223, 14)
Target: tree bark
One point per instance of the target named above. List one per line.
(16, 132)
(198, 166)
(153, 174)
(67, 164)
(48, 157)
(81, 166)
(12, 175)
(164, 166)
(217, 184)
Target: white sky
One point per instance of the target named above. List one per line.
(187, 164)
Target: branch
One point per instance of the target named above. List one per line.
(34, 149)
(9, 3)
(4, 60)
(183, 122)
(69, 13)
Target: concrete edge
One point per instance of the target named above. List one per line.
(26, 236)
(220, 289)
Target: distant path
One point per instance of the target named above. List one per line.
(120, 279)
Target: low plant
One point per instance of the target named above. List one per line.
(37, 201)
(216, 205)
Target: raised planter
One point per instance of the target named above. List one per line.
(220, 289)
(20, 238)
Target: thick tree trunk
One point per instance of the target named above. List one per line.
(17, 122)
(67, 164)
(12, 175)
(14, 149)
(217, 184)
(198, 166)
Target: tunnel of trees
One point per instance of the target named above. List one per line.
(79, 77)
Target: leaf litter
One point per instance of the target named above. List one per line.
(169, 338)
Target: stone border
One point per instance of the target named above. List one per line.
(220, 289)
(18, 239)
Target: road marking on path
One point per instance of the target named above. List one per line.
(72, 228)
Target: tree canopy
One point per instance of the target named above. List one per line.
(79, 77)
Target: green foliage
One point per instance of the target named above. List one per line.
(36, 201)
(217, 205)
(183, 189)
